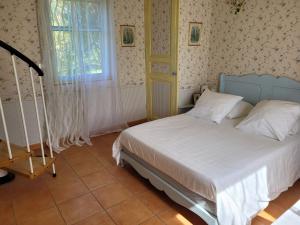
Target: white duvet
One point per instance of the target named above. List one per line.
(240, 172)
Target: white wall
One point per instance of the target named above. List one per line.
(23, 35)
(185, 96)
(134, 102)
(134, 105)
(14, 122)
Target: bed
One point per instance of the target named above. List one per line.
(220, 173)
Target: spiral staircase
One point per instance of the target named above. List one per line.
(16, 158)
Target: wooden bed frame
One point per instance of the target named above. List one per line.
(253, 88)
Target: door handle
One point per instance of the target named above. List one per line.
(174, 73)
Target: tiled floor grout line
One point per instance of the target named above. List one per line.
(160, 212)
(91, 191)
(137, 194)
(56, 205)
(80, 195)
(105, 210)
(129, 181)
(154, 214)
(66, 161)
(146, 191)
(160, 219)
(14, 213)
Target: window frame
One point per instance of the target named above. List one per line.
(89, 76)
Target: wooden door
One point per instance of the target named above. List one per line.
(161, 34)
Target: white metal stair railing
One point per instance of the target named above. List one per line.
(15, 158)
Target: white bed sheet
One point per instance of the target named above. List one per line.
(240, 172)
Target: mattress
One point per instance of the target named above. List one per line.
(240, 172)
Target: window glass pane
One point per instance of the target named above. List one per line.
(92, 58)
(90, 15)
(78, 46)
(60, 12)
(71, 63)
(64, 54)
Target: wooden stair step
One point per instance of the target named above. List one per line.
(17, 153)
(22, 166)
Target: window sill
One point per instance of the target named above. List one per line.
(89, 78)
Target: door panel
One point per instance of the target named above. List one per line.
(161, 98)
(161, 27)
(161, 22)
(160, 68)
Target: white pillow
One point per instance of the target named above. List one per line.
(214, 106)
(241, 109)
(271, 118)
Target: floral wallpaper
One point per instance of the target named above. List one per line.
(263, 38)
(131, 64)
(161, 26)
(193, 60)
(18, 27)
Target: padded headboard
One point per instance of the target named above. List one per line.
(255, 88)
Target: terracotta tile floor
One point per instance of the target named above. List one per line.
(91, 190)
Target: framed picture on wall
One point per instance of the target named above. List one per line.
(195, 30)
(127, 35)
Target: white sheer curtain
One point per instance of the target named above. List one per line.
(81, 77)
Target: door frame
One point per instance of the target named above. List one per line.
(173, 60)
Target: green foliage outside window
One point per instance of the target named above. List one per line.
(78, 43)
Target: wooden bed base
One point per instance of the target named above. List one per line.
(173, 193)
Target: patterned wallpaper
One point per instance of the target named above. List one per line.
(161, 26)
(19, 28)
(131, 59)
(264, 38)
(193, 60)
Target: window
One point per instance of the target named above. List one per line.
(77, 33)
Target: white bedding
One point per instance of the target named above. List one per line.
(240, 172)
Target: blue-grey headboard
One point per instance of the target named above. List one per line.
(255, 88)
